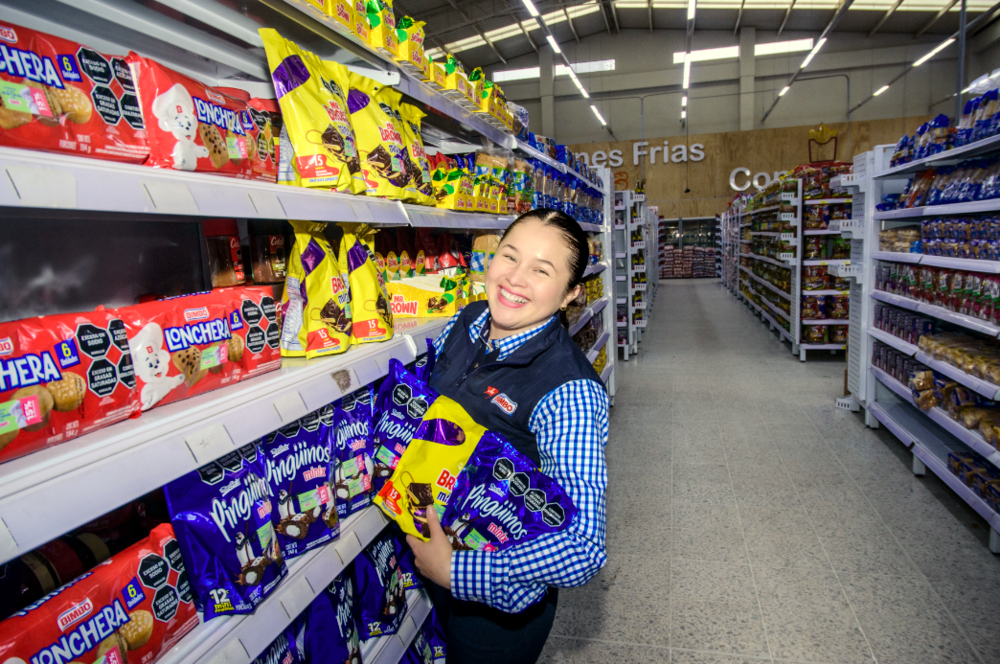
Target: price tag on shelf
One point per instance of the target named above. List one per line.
(348, 548)
(43, 187)
(639, 198)
(171, 197)
(788, 197)
(233, 653)
(787, 256)
(787, 237)
(267, 205)
(290, 407)
(788, 216)
(210, 443)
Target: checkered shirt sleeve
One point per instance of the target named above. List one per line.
(571, 425)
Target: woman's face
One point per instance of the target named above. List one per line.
(527, 278)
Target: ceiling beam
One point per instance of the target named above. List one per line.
(934, 19)
(479, 30)
(649, 6)
(604, 15)
(527, 36)
(785, 20)
(614, 15)
(571, 26)
(739, 17)
(885, 17)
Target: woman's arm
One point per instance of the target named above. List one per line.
(571, 425)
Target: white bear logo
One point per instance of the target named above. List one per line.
(175, 111)
(152, 364)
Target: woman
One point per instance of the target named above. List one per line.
(512, 365)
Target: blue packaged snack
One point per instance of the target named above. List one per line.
(401, 403)
(282, 650)
(300, 468)
(501, 499)
(407, 563)
(331, 635)
(350, 438)
(428, 645)
(380, 602)
(424, 367)
(224, 518)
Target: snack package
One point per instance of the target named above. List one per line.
(351, 443)
(430, 296)
(420, 173)
(501, 499)
(381, 26)
(283, 650)
(380, 604)
(300, 468)
(331, 636)
(429, 645)
(191, 126)
(342, 10)
(62, 376)
(267, 117)
(360, 25)
(400, 406)
(316, 304)
(410, 45)
(182, 346)
(407, 564)
(134, 606)
(426, 472)
(314, 107)
(225, 521)
(372, 318)
(49, 88)
(380, 144)
(256, 331)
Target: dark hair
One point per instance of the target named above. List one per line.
(575, 237)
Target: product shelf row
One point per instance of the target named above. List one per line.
(767, 284)
(588, 313)
(971, 207)
(972, 264)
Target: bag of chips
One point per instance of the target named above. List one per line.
(426, 472)
(400, 406)
(351, 443)
(372, 318)
(380, 605)
(316, 304)
(313, 99)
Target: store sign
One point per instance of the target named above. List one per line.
(740, 180)
(676, 154)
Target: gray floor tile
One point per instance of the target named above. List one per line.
(734, 627)
(711, 581)
(721, 543)
(561, 650)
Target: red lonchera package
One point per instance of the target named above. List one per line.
(193, 127)
(60, 96)
(62, 376)
(256, 329)
(131, 608)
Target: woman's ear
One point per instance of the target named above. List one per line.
(571, 295)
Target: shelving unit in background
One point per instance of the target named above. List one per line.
(635, 228)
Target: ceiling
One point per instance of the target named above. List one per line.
(467, 27)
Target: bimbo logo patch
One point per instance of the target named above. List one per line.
(6, 346)
(78, 612)
(505, 403)
(196, 314)
(8, 34)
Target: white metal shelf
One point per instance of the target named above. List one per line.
(972, 207)
(240, 639)
(770, 260)
(423, 216)
(971, 264)
(820, 231)
(831, 261)
(954, 155)
(826, 201)
(587, 314)
(607, 370)
(824, 346)
(962, 320)
(825, 321)
(895, 300)
(767, 208)
(767, 284)
(596, 268)
(826, 291)
(776, 325)
(894, 341)
(983, 387)
(598, 345)
(896, 257)
(776, 310)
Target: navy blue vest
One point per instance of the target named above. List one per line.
(501, 396)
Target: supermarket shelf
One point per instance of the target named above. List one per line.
(763, 209)
(422, 216)
(767, 284)
(746, 256)
(896, 300)
(826, 201)
(420, 329)
(170, 441)
(776, 310)
(983, 387)
(549, 161)
(972, 207)
(827, 291)
(389, 649)
(598, 345)
(939, 261)
(240, 639)
(621, 277)
(621, 254)
(587, 314)
(894, 341)
(896, 257)
(930, 447)
(769, 260)
(745, 225)
(621, 324)
(820, 232)
(621, 300)
(596, 268)
(990, 144)
(961, 320)
(824, 346)
(781, 331)
(970, 437)
(607, 370)
(826, 321)
(591, 228)
(842, 261)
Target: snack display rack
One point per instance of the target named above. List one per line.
(109, 467)
(933, 433)
(636, 268)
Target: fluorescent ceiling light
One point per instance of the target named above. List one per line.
(586, 67)
(776, 48)
(599, 116)
(514, 29)
(940, 47)
(516, 74)
(684, 114)
(783, 91)
(684, 100)
(691, 8)
(880, 91)
(812, 53)
(531, 7)
(708, 54)
(687, 74)
(553, 44)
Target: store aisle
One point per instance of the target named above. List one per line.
(750, 520)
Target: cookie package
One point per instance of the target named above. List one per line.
(380, 605)
(61, 96)
(350, 438)
(330, 635)
(225, 518)
(62, 376)
(191, 126)
(133, 607)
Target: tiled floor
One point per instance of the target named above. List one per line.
(750, 520)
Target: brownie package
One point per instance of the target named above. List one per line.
(300, 469)
(225, 520)
(380, 605)
(501, 499)
(350, 439)
(133, 607)
(60, 96)
(331, 635)
(400, 406)
(62, 376)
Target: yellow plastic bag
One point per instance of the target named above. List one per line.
(313, 100)
(426, 473)
(317, 318)
(380, 143)
(420, 178)
(372, 317)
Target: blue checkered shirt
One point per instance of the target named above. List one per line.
(570, 424)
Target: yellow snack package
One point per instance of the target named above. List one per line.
(420, 176)
(425, 474)
(314, 108)
(381, 26)
(380, 143)
(410, 45)
(453, 187)
(342, 10)
(474, 88)
(455, 80)
(372, 318)
(360, 21)
(316, 302)
(429, 296)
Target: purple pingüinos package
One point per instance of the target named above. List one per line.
(380, 603)
(330, 635)
(428, 645)
(350, 438)
(300, 468)
(424, 367)
(501, 499)
(224, 518)
(400, 405)
(282, 650)
(407, 562)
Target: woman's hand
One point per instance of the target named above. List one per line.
(433, 558)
